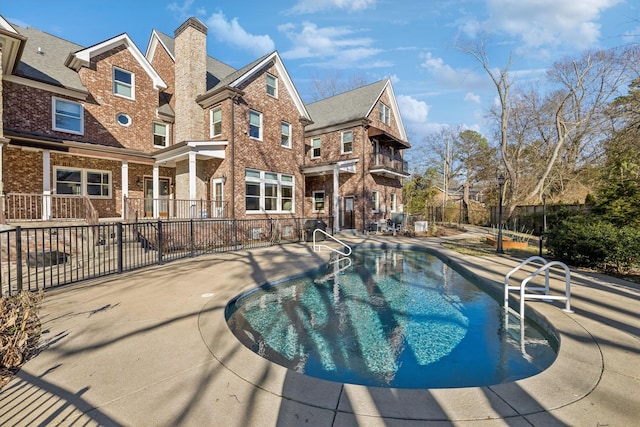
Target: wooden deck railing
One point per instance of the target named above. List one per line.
(40, 207)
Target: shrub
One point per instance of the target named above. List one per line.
(594, 242)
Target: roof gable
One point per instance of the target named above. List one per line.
(12, 44)
(256, 67)
(82, 58)
(353, 105)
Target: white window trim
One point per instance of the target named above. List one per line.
(83, 180)
(324, 202)
(259, 138)
(385, 112)
(290, 137)
(167, 136)
(129, 119)
(319, 147)
(211, 123)
(275, 95)
(393, 202)
(54, 100)
(342, 141)
(375, 203)
(262, 181)
(133, 83)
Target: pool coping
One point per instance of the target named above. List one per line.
(579, 363)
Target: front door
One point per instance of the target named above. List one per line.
(346, 217)
(218, 198)
(163, 197)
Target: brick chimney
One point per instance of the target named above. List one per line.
(190, 79)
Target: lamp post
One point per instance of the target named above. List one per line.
(544, 221)
(501, 184)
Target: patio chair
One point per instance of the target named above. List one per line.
(397, 221)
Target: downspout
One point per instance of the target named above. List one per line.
(364, 166)
(232, 199)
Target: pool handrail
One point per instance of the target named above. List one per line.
(567, 293)
(522, 287)
(318, 246)
(524, 263)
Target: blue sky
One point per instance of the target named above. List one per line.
(410, 41)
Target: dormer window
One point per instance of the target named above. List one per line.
(272, 86)
(123, 83)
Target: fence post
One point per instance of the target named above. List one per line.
(159, 242)
(18, 259)
(192, 243)
(119, 235)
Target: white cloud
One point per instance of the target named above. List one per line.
(337, 47)
(233, 34)
(470, 96)
(181, 12)
(451, 77)
(394, 78)
(548, 23)
(413, 110)
(311, 6)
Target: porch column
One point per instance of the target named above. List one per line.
(336, 199)
(46, 185)
(156, 191)
(125, 187)
(192, 177)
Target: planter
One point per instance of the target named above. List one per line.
(507, 243)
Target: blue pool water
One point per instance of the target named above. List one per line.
(389, 318)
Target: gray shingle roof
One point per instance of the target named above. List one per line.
(345, 107)
(48, 65)
(216, 70)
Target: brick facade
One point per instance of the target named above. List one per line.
(106, 144)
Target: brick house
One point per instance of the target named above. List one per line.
(175, 133)
(354, 162)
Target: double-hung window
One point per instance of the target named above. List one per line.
(73, 181)
(272, 85)
(160, 135)
(68, 116)
(315, 148)
(318, 201)
(385, 114)
(216, 121)
(393, 203)
(285, 139)
(347, 142)
(268, 192)
(375, 201)
(123, 83)
(255, 125)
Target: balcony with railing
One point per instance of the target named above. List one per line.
(389, 166)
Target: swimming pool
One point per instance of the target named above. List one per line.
(391, 318)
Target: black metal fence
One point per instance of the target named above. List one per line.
(46, 257)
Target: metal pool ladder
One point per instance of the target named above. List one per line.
(522, 287)
(318, 246)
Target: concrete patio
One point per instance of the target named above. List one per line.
(151, 348)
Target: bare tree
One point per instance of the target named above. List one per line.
(550, 132)
(502, 81)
